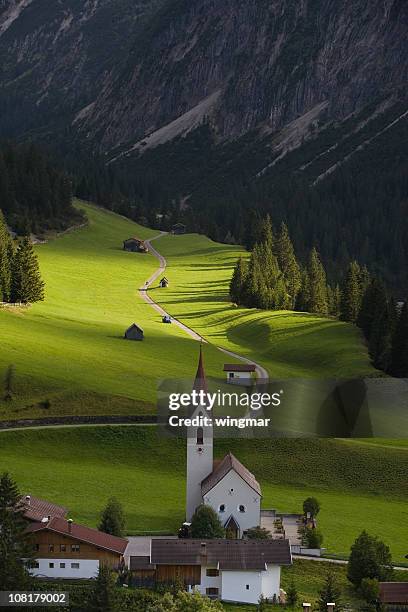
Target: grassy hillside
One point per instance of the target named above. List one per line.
(286, 343)
(70, 348)
(359, 486)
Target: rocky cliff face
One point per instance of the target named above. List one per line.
(112, 72)
(268, 61)
(55, 57)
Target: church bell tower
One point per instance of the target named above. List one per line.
(199, 448)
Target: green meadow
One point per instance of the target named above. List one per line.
(70, 348)
(359, 486)
(287, 344)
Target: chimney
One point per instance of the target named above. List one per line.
(306, 607)
(69, 525)
(330, 607)
(28, 499)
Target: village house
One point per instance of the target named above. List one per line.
(135, 245)
(239, 373)
(231, 570)
(134, 332)
(64, 549)
(394, 596)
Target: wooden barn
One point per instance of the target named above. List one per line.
(178, 229)
(164, 282)
(134, 332)
(134, 245)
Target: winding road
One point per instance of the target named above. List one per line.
(262, 374)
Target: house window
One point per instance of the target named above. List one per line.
(36, 565)
(241, 508)
(231, 374)
(50, 547)
(200, 435)
(212, 572)
(247, 587)
(63, 547)
(74, 565)
(36, 547)
(74, 547)
(50, 565)
(221, 508)
(62, 565)
(212, 591)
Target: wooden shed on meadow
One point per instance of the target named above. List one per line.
(134, 245)
(134, 332)
(164, 282)
(178, 228)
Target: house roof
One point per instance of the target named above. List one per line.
(36, 509)
(227, 464)
(394, 592)
(140, 563)
(81, 533)
(239, 367)
(133, 239)
(222, 553)
(164, 279)
(134, 326)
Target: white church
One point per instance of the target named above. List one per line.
(227, 486)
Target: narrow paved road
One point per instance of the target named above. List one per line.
(143, 291)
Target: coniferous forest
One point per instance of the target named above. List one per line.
(20, 278)
(273, 278)
(35, 195)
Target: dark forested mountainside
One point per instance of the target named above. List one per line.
(217, 112)
(34, 194)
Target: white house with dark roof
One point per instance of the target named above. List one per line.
(228, 487)
(231, 570)
(239, 373)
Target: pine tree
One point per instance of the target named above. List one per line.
(317, 285)
(206, 524)
(334, 300)
(303, 297)
(351, 293)
(330, 593)
(288, 264)
(292, 595)
(373, 300)
(369, 558)
(26, 283)
(105, 593)
(16, 551)
(399, 351)
(6, 253)
(237, 283)
(113, 519)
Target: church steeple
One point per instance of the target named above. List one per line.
(199, 446)
(200, 382)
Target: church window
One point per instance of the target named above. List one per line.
(200, 435)
(247, 587)
(221, 508)
(241, 508)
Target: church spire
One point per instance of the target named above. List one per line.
(200, 382)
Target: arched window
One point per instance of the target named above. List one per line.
(241, 508)
(200, 435)
(221, 508)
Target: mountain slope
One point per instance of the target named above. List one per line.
(272, 61)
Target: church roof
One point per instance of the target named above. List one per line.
(227, 464)
(226, 554)
(200, 382)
